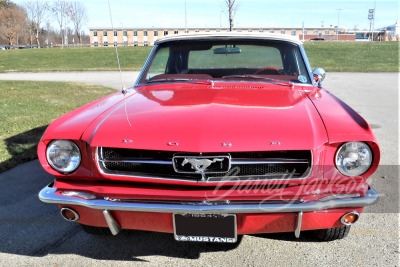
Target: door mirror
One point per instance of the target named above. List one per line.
(319, 75)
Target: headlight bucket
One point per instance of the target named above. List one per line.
(63, 156)
(353, 158)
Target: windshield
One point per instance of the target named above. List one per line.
(227, 60)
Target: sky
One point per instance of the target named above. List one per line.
(249, 14)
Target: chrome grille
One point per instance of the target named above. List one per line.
(263, 165)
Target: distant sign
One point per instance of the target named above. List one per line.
(371, 13)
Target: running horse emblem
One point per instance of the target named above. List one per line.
(200, 165)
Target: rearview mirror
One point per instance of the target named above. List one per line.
(227, 50)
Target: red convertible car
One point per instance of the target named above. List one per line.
(223, 134)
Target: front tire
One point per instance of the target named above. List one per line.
(332, 233)
(92, 230)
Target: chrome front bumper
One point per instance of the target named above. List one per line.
(48, 195)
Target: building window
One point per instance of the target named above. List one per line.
(125, 33)
(218, 30)
(304, 31)
(115, 33)
(315, 32)
(165, 33)
(250, 30)
(146, 44)
(326, 31)
(186, 31)
(294, 32)
(135, 44)
(155, 33)
(207, 30)
(105, 43)
(145, 33)
(104, 33)
(95, 33)
(134, 33)
(239, 30)
(96, 43)
(283, 31)
(175, 31)
(272, 31)
(125, 43)
(115, 43)
(197, 30)
(260, 30)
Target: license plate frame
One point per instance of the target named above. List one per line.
(216, 228)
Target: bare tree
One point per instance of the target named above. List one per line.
(37, 13)
(60, 10)
(4, 3)
(12, 21)
(78, 16)
(232, 8)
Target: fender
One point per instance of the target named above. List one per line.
(73, 124)
(342, 123)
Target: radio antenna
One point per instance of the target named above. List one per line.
(116, 50)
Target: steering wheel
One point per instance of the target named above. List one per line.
(278, 71)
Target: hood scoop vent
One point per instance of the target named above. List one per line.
(216, 86)
(237, 87)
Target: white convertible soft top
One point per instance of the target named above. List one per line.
(227, 35)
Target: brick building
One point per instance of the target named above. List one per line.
(147, 36)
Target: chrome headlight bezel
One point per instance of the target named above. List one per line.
(358, 150)
(68, 154)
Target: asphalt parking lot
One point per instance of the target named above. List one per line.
(33, 233)
(110, 79)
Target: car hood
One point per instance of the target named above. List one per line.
(201, 118)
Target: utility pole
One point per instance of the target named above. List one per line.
(338, 19)
(373, 21)
(185, 16)
(220, 16)
(371, 17)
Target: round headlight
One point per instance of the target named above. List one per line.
(63, 155)
(353, 158)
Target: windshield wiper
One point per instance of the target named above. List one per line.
(179, 80)
(259, 78)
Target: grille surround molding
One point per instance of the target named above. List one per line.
(196, 177)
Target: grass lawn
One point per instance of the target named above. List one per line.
(26, 108)
(73, 59)
(354, 56)
(332, 56)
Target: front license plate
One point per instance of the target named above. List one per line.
(218, 228)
